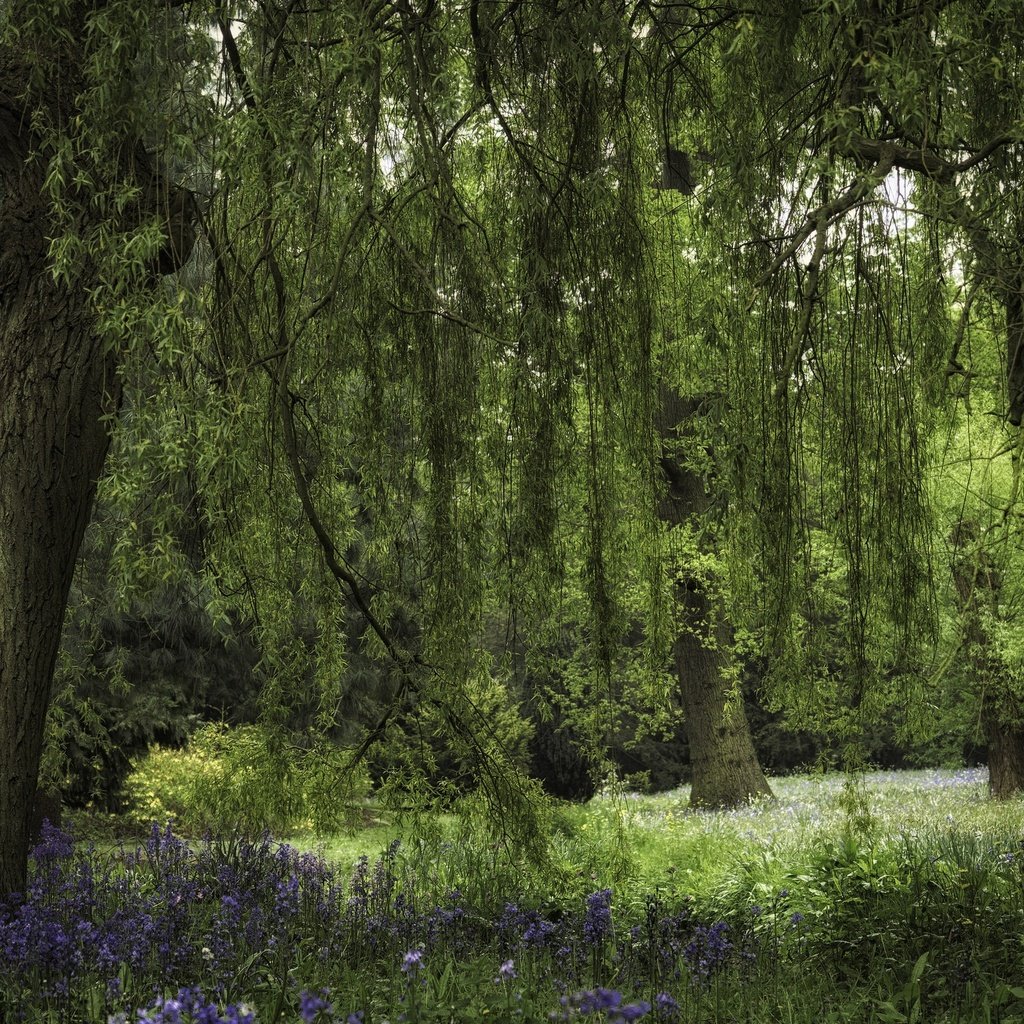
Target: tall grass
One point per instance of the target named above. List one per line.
(900, 898)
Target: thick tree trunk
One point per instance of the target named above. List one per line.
(724, 764)
(1005, 754)
(57, 386)
(978, 583)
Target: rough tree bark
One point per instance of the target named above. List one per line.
(724, 764)
(978, 584)
(58, 387)
(1014, 300)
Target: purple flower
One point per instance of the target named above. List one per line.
(412, 961)
(506, 972)
(606, 1001)
(511, 920)
(597, 922)
(597, 1000)
(707, 951)
(54, 844)
(537, 931)
(631, 1011)
(665, 1005)
(286, 897)
(190, 1007)
(311, 1005)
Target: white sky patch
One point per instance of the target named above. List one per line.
(898, 214)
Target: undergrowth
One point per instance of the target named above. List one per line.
(913, 910)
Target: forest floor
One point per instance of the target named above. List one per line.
(897, 898)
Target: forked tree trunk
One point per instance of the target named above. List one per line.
(724, 764)
(56, 385)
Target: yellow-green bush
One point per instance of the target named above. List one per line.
(159, 786)
(248, 778)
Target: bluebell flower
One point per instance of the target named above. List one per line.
(538, 930)
(412, 961)
(630, 1012)
(598, 999)
(286, 897)
(707, 951)
(606, 1002)
(665, 1005)
(597, 920)
(54, 844)
(312, 1004)
(506, 972)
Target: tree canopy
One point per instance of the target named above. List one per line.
(445, 315)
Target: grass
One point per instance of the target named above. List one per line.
(704, 852)
(899, 897)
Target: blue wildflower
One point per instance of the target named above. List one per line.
(412, 961)
(602, 1001)
(707, 951)
(538, 931)
(665, 1005)
(312, 1004)
(597, 921)
(506, 972)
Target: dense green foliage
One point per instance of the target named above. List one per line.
(399, 444)
(423, 336)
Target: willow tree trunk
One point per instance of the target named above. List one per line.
(56, 387)
(1005, 742)
(724, 764)
(978, 583)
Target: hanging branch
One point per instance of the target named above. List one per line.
(817, 223)
(810, 291)
(276, 366)
(829, 213)
(953, 364)
(409, 663)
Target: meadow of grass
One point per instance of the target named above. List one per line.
(899, 897)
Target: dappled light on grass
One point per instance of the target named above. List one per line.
(703, 850)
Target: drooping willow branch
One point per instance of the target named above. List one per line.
(831, 212)
(817, 223)
(276, 366)
(469, 722)
(810, 291)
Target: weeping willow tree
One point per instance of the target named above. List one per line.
(403, 265)
(862, 194)
(403, 301)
